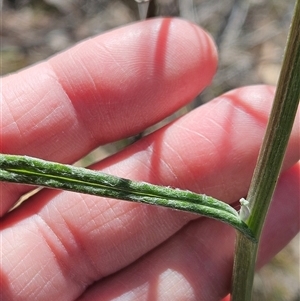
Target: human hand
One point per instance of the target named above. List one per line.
(68, 246)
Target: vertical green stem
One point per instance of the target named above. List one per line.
(269, 161)
(244, 268)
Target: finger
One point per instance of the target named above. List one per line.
(196, 264)
(102, 90)
(222, 137)
(90, 238)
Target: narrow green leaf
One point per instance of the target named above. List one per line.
(28, 170)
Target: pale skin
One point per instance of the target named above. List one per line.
(68, 246)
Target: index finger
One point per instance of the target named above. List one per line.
(104, 89)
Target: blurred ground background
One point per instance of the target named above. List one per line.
(250, 36)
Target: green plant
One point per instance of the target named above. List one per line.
(269, 162)
(33, 171)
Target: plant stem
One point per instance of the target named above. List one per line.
(27, 170)
(269, 161)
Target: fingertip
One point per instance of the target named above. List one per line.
(136, 70)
